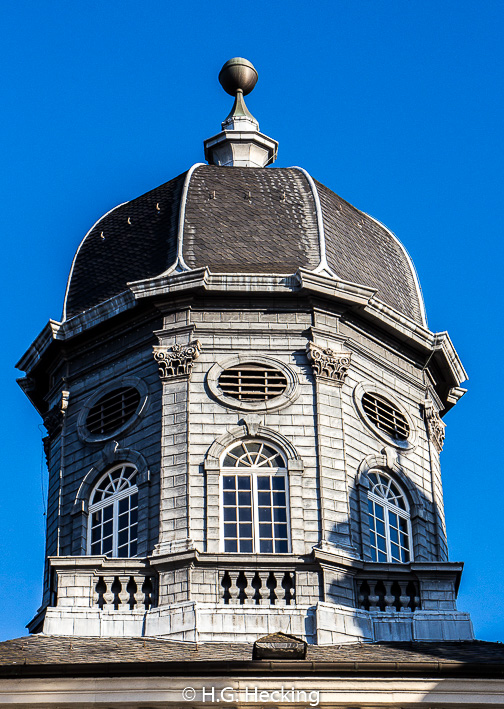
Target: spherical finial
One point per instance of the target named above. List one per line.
(238, 73)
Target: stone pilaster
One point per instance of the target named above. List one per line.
(329, 371)
(175, 365)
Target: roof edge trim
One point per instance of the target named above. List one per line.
(180, 264)
(418, 287)
(64, 315)
(323, 266)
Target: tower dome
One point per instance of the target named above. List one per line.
(241, 220)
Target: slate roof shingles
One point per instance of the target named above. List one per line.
(240, 220)
(40, 650)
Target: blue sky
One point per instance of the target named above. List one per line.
(396, 106)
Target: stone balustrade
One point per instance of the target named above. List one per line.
(102, 583)
(251, 587)
(123, 592)
(388, 595)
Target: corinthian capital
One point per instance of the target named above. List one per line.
(327, 364)
(176, 361)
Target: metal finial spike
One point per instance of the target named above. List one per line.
(236, 74)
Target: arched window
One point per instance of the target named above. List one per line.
(389, 520)
(113, 513)
(255, 512)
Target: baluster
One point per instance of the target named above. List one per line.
(149, 589)
(404, 601)
(374, 599)
(273, 586)
(123, 593)
(248, 589)
(97, 592)
(234, 591)
(363, 596)
(264, 591)
(108, 596)
(139, 594)
(389, 597)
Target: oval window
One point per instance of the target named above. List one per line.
(112, 411)
(252, 382)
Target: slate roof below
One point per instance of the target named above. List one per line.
(121, 654)
(240, 220)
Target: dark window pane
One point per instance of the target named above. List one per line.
(280, 514)
(123, 521)
(134, 500)
(281, 531)
(281, 546)
(230, 545)
(95, 534)
(133, 516)
(122, 538)
(381, 543)
(229, 514)
(96, 519)
(264, 514)
(279, 499)
(230, 530)
(246, 545)
(254, 447)
(230, 498)
(245, 514)
(266, 546)
(107, 512)
(229, 463)
(107, 546)
(107, 529)
(382, 556)
(264, 499)
(123, 505)
(265, 531)
(394, 536)
(243, 483)
(278, 483)
(244, 498)
(133, 548)
(229, 482)
(373, 554)
(379, 512)
(95, 548)
(246, 530)
(263, 482)
(380, 528)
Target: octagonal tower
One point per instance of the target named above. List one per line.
(244, 412)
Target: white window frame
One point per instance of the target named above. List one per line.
(388, 506)
(253, 472)
(113, 501)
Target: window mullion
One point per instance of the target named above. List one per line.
(255, 513)
(115, 524)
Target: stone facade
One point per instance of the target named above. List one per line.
(176, 443)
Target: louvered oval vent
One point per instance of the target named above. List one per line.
(385, 416)
(252, 382)
(112, 410)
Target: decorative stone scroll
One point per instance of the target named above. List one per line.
(176, 361)
(327, 364)
(435, 425)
